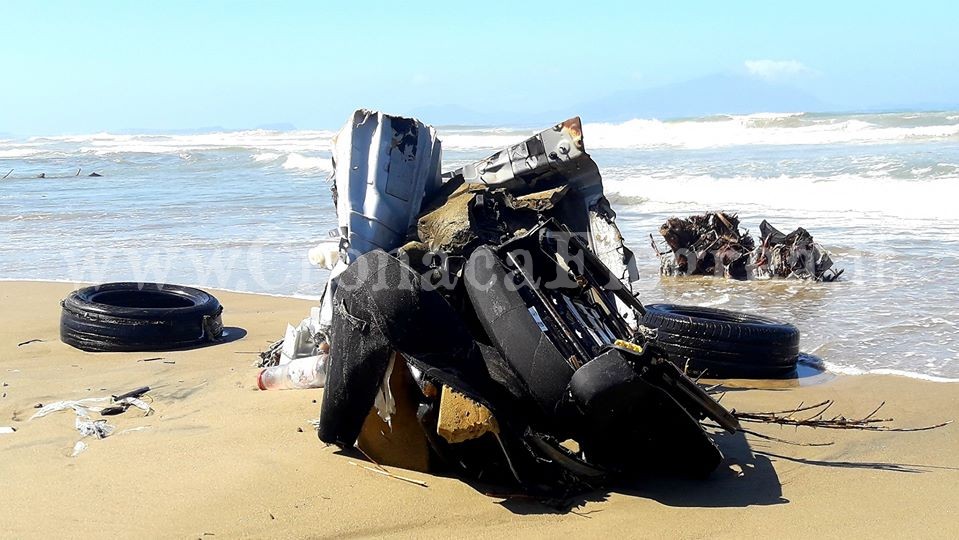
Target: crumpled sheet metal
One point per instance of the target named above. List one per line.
(557, 158)
(384, 167)
(550, 150)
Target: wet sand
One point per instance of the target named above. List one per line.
(220, 459)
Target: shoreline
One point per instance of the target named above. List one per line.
(220, 457)
(78, 284)
(830, 367)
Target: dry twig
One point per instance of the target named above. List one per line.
(389, 474)
(866, 423)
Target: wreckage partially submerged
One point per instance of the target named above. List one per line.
(486, 316)
(713, 244)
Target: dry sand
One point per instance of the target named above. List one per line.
(220, 459)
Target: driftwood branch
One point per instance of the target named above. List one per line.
(866, 423)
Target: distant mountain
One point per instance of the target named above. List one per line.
(713, 94)
(170, 131)
(277, 126)
(723, 93)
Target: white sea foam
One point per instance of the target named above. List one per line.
(712, 132)
(850, 370)
(300, 162)
(751, 130)
(265, 156)
(723, 131)
(841, 193)
(261, 140)
(15, 153)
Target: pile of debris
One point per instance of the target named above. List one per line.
(714, 244)
(481, 321)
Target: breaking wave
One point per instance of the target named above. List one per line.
(776, 129)
(108, 143)
(851, 370)
(852, 194)
(299, 162)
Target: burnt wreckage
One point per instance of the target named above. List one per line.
(488, 310)
(714, 244)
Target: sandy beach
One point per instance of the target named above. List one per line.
(219, 459)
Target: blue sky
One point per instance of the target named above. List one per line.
(68, 67)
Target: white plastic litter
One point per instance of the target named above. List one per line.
(385, 403)
(303, 372)
(86, 426)
(96, 428)
(81, 407)
(138, 403)
(313, 321)
(289, 344)
(302, 340)
(308, 371)
(78, 448)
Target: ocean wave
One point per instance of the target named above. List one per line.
(256, 140)
(19, 153)
(840, 193)
(774, 129)
(851, 370)
(299, 162)
(748, 130)
(791, 128)
(265, 156)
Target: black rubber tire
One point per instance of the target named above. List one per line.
(724, 344)
(139, 317)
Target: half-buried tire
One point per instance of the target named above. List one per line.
(724, 344)
(139, 317)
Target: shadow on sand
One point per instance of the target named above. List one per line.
(744, 478)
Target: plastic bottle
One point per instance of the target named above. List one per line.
(305, 372)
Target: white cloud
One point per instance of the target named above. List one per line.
(776, 69)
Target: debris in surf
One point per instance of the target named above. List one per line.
(713, 244)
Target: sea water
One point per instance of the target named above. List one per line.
(239, 210)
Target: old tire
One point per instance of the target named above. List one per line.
(724, 344)
(139, 317)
